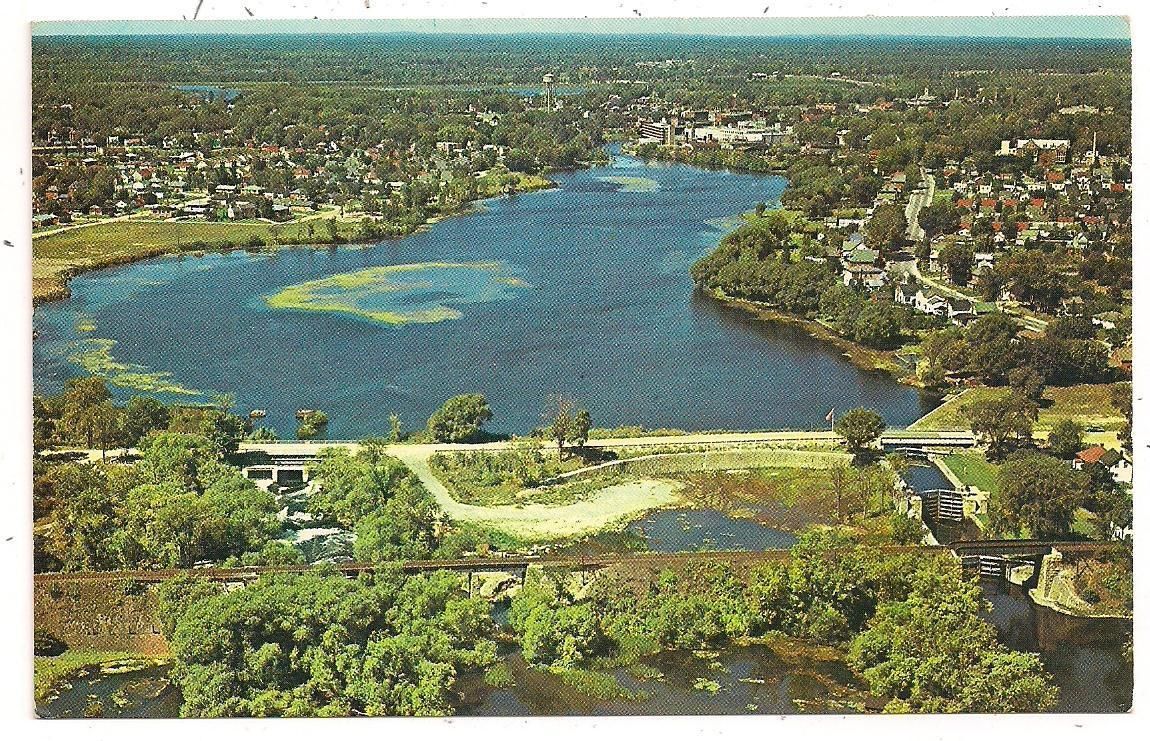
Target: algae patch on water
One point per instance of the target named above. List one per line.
(629, 184)
(95, 356)
(418, 293)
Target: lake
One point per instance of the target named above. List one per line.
(581, 290)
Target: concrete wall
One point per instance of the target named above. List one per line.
(101, 616)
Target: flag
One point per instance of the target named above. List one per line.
(831, 414)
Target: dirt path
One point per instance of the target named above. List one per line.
(539, 521)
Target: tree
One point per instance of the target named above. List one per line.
(1071, 328)
(877, 325)
(581, 428)
(562, 422)
(990, 347)
(1121, 396)
(460, 419)
(1065, 438)
(1038, 493)
(396, 434)
(320, 645)
(352, 487)
(107, 422)
(81, 407)
(958, 262)
(403, 529)
(142, 415)
(844, 483)
(311, 423)
(568, 423)
(931, 652)
(1001, 420)
(860, 428)
(886, 228)
(938, 218)
(1026, 383)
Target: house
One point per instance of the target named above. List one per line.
(1046, 151)
(905, 290)
(1115, 461)
(983, 262)
(1123, 358)
(1107, 319)
(860, 270)
(960, 310)
(864, 276)
(929, 301)
(199, 207)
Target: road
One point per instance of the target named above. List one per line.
(915, 203)
(71, 227)
(403, 451)
(915, 233)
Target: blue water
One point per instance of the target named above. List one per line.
(211, 92)
(608, 317)
(925, 477)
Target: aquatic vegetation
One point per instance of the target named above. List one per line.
(599, 684)
(707, 685)
(95, 356)
(85, 324)
(499, 676)
(418, 293)
(629, 184)
(644, 671)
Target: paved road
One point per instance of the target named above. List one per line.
(915, 203)
(311, 447)
(71, 227)
(404, 451)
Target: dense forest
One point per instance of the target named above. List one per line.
(448, 59)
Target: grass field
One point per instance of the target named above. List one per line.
(974, 470)
(1088, 404)
(58, 256)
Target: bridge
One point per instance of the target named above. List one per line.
(900, 438)
(510, 564)
(289, 458)
(287, 461)
(1009, 549)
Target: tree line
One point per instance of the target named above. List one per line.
(908, 624)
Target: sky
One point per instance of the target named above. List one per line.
(1095, 27)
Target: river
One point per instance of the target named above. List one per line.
(582, 290)
(1083, 655)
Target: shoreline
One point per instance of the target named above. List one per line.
(55, 286)
(860, 356)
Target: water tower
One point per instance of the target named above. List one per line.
(549, 91)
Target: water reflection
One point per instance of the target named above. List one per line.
(1084, 655)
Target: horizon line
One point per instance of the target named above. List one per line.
(1053, 28)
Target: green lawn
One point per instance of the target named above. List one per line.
(1089, 404)
(974, 470)
(56, 256)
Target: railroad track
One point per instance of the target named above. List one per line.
(462, 565)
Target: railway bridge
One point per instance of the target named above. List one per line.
(517, 564)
